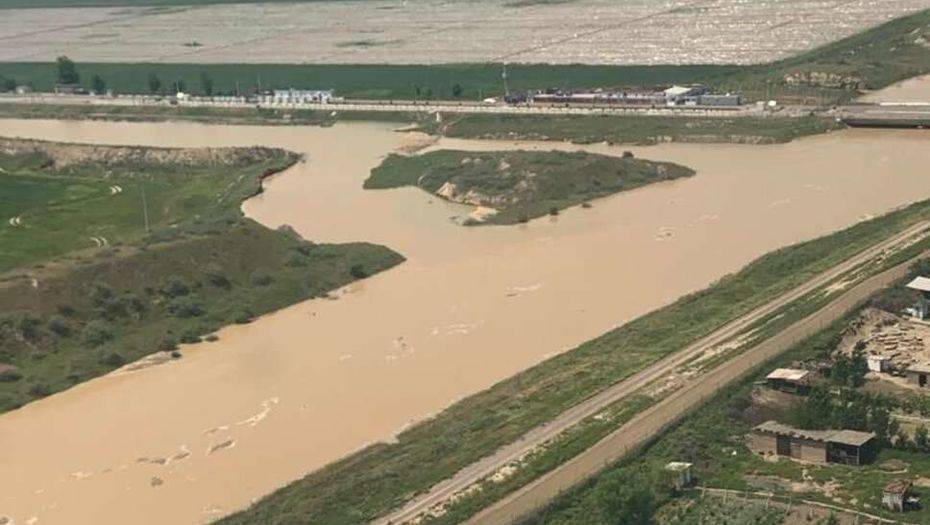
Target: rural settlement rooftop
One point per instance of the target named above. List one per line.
(788, 374)
(920, 368)
(843, 437)
(920, 283)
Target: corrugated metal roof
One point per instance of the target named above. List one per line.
(920, 283)
(844, 437)
(788, 374)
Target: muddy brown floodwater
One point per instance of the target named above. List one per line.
(191, 440)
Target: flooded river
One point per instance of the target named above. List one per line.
(202, 436)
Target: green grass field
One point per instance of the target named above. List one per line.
(520, 185)
(71, 309)
(381, 477)
(36, 4)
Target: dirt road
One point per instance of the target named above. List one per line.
(539, 435)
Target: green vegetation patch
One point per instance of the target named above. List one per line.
(631, 129)
(115, 253)
(520, 185)
(379, 478)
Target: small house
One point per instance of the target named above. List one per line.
(921, 308)
(849, 447)
(917, 375)
(878, 363)
(895, 495)
(679, 474)
(790, 380)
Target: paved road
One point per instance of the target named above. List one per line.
(539, 435)
(440, 106)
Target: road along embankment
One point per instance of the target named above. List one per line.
(656, 419)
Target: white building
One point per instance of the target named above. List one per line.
(878, 363)
(302, 96)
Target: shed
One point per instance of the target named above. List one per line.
(679, 474)
(918, 375)
(921, 308)
(791, 380)
(850, 447)
(894, 497)
(878, 363)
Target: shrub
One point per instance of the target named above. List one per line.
(175, 287)
(296, 260)
(113, 360)
(100, 295)
(358, 271)
(59, 325)
(217, 279)
(9, 373)
(553, 211)
(244, 316)
(261, 279)
(185, 307)
(168, 342)
(211, 338)
(96, 333)
(28, 326)
(39, 390)
(628, 154)
(190, 337)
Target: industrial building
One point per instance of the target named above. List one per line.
(691, 95)
(849, 447)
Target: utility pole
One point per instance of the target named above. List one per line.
(504, 77)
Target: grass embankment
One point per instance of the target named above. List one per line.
(39, 4)
(831, 73)
(384, 476)
(88, 288)
(520, 185)
(712, 438)
(631, 129)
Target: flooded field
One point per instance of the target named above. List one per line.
(432, 31)
(196, 438)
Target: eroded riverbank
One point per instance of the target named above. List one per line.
(302, 387)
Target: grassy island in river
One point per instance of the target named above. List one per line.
(110, 254)
(516, 186)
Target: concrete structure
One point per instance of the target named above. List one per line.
(70, 89)
(921, 308)
(850, 447)
(679, 474)
(301, 96)
(720, 100)
(790, 380)
(878, 363)
(895, 495)
(919, 375)
(685, 95)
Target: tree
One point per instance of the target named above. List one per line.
(921, 439)
(7, 84)
(817, 410)
(154, 84)
(98, 85)
(206, 84)
(179, 86)
(457, 90)
(625, 500)
(67, 71)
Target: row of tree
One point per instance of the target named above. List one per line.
(67, 73)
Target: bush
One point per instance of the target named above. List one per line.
(261, 279)
(100, 295)
(175, 287)
(553, 211)
(39, 390)
(244, 317)
(628, 154)
(28, 326)
(167, 343)
(59, 325)
(9, 373)
(185, 306)
(113, 360)
(97, 332)
(296, 260)
(216, 279)
(211, 338)
(190, 337)
(358, 271)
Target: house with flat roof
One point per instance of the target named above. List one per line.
(850, 447)
(790, 380)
